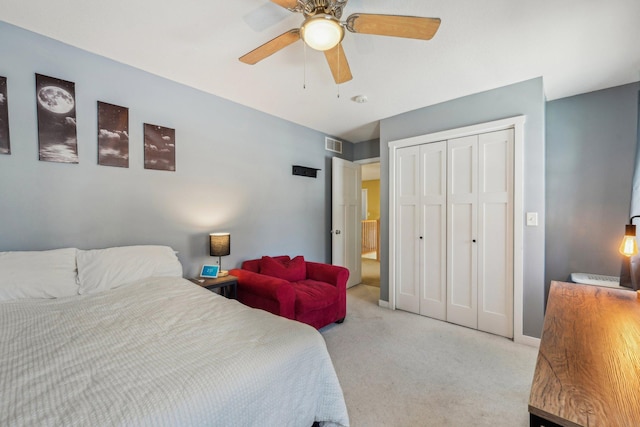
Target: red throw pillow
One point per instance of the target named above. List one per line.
(291, 270)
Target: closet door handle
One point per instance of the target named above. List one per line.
(420, 237)
(474, 240)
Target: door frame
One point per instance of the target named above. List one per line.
(364, 204)
(365, 162)
(517, 124)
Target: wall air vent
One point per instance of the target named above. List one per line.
(331, 144)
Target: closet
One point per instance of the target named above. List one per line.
(454, 241)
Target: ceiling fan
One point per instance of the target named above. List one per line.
(322, 30)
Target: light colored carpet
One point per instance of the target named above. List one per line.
(370, 272)
(400, 369)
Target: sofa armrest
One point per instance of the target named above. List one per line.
(328, 273)
(333, 275)
(265, 292)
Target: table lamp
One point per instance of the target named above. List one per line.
(220, 245)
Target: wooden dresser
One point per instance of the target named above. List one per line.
(588, 368)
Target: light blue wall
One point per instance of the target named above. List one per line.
(591, 149)
(526, 98)
(233, 167)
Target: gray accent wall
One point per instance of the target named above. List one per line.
(366, 150)
(525, 98)
(233, 167)
(591, 152)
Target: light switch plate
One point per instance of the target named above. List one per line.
(532, 219)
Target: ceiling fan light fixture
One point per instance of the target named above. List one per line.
(322, 32)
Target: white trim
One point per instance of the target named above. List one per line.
(517, 124)
(512, 122)
(518, 230)
(392, 225)
(366, 161)
(527, 340)
(364, 203)
(383, 304)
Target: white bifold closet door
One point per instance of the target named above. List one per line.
(495, 232)
(421, 229)
(462, 231)
(454, 212)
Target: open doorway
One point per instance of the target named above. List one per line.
(371, 224)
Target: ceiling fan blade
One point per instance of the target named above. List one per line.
(271, 47)
(287, 4)
(338, 63)
(412, 27)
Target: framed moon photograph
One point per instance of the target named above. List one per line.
(113, 135)
(57, 135)
(159, 148)
(5, 146)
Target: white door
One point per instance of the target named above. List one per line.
(480, 232)
(454, 231)
(408, 229)
(421, 194)
(462, 184)
(495, 232)
(433, 302)
(346, 228)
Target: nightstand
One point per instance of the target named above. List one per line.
(228, 285)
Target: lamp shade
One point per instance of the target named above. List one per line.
(219, 244)
(322, 32)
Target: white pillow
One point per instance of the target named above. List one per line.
(38, 274)
(102, 269)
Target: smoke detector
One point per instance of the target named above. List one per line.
(360, 99)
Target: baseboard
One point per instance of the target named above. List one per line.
(383, 304)
(522, 339)
(527, 340)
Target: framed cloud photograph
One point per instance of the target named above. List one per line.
(56, 105)
(5, 146)
(159, 148)
(113, 135)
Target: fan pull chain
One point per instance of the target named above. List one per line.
(337, 83)
(304, 72)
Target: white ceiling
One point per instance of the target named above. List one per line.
(577, 46)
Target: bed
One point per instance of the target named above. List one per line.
(155, 351)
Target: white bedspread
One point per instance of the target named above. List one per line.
(161, 352)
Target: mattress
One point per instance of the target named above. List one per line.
(161, 352)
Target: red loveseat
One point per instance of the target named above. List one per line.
(309, 292)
